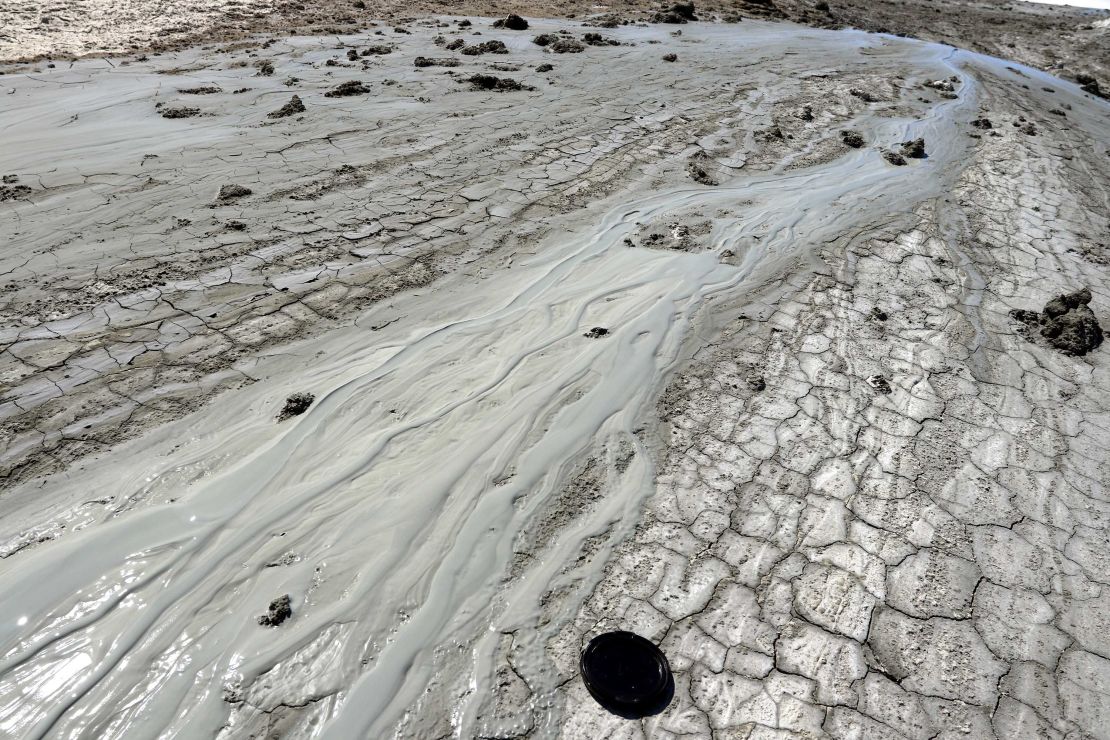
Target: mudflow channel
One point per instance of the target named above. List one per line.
(450, 410)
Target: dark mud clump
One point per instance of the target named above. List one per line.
(596, 39)
(435, 62)
(233, 192)
(596, 333)
(205, 90)
(983, 124)
(350, 87)
(280, 610)
(894, 158)
(296, 405)
(670, 57)
(545, 68)
(292, 108)
(558, 44)
(1067, 322)
(863, 95)
(497, 84)
(1089, 84)
(180, 112)
(853, 139)
(455, 45)
(512, 22)
(377, 50)
(879, 383)
(352, 55)
(13, 192)
(698, 174)
(914, 149)
(486, 47)
(265, 69)
(677, 13)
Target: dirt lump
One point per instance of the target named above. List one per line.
(850, 138)
(497, 84)
(1067, 322)
(296, 405)
(280, 610)
(486, 47)
(293, 107)
(512, 22)
(348, 88)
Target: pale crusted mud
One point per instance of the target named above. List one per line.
(453, 379)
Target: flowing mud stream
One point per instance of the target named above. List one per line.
(448, 415)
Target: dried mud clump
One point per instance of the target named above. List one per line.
(983, 124)
(345, 89)
(914, 149)
(596, 39)
(1067, 322)
(677, 13)
(596, 333)
(293, 107)
(863, 95)
(378, 50)
(435, 62)
(265, 69)
(13, 192)
(296, 405)
(497, 84)
(1089, 84)
(894, 158)
(879, 383)
(280, 610)
(853, 139)
(180, 112)
(558, 44)
(205, 90)
(455, 45)
(545, 68)
(698, 174)
(670, 57)
(486, 47)
(512, 22)
(233, 192)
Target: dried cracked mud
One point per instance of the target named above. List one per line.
(812, 455)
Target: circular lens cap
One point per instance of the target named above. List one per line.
(625, 672)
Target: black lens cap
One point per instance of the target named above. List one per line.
(627, 674)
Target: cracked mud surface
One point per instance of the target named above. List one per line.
(812, 456)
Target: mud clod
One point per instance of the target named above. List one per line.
(486, 47)
(350, 87)
(596, 333)
(894, 158)
(280, 610)
(670, 57)
(596, 39)
(296, 405)
(205, 90)
(179, 112)
(13, 192)
(1067, 322)
(983, 124)
(498, 84)
(853, 139)
(545, 68)
(233, 192)
(512, 22)
(435, 62)
(879, 383)
(914, 149)
(293, 107)
(380, 50)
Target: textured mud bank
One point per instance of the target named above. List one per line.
(812, 455)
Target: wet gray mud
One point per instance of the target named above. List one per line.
(480, 485)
